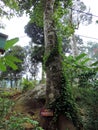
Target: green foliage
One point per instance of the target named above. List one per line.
(8, 93)
(80, 56)
(87, 100)
(49, 57)
(17, 55)
(17, 122)
(9, 60)
(83, 80)
(4, 107)
(27, 84)
(78, 70)
(64, 28)
(2, 64)
(94, 64)
(65, 104)
(9, 9)
(14, 121)
(74, 66)
(37, 54)
(86, 78)
(37, 14)
(93, 113)
(13, 61)
(10, 43)
(72, 69)
(11, 3)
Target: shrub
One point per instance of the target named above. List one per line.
(27, 84)
(11, 120)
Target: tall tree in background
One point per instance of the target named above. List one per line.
(36, 46)
(82, 18)
(75, 17)
(34, 57)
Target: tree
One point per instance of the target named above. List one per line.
(35, 32)
(58, 96)
(33, 59)
(75, 17)
(36, 47)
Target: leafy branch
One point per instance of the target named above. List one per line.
(9, 60)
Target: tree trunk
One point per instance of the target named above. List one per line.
(74, 46)
(52, 60)
(42, 75)
(73, 40)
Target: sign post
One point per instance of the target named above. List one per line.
(46, 112)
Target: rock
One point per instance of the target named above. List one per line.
(31, 100)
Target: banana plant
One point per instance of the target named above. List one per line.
(9, 60)
(80, 65)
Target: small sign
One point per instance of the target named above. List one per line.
(46, 112)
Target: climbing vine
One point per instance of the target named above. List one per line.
(65, 103)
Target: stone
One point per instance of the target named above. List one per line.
(31, 100)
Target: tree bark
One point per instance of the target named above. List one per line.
(74, 46)
(53, 60)
(73, 40)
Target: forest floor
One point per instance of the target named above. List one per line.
(12, 95)
(24, 105)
